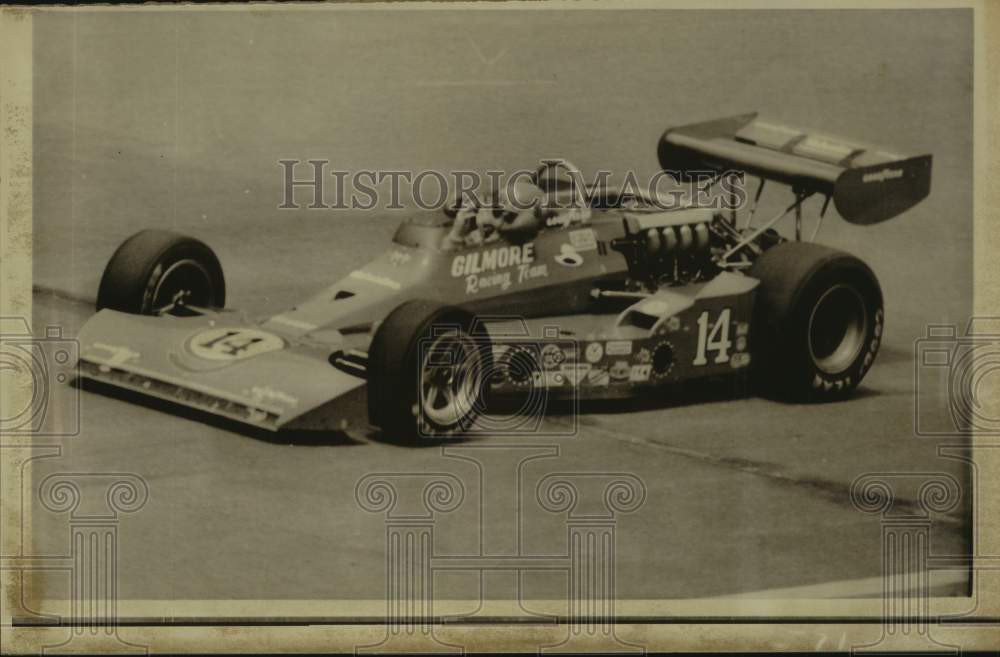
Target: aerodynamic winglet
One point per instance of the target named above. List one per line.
(867, 184)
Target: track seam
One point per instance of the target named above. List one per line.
(831, 491)
(62, 295)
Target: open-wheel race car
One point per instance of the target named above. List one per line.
(606, 295)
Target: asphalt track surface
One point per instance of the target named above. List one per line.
(178, 121)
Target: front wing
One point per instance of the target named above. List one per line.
(220, 364)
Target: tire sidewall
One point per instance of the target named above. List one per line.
(137, 267)
(805, 378)
(394, 370)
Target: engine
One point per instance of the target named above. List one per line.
(666, 248)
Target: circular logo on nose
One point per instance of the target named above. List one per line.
(233, 343)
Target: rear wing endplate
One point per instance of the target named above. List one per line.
(867, 184)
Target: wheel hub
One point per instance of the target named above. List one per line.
(450, 379)
(838, 325)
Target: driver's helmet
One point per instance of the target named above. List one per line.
(564, 202)
(553, 176)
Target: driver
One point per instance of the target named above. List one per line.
(523, 216)
(463, 226)
(563, 202)
(516, 213)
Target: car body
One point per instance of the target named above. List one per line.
(622, 298)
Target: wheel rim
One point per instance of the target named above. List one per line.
(837, 329)
(451, 376)
(184, 283)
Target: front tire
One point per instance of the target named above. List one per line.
(157, 271)
(818, 321)
(428, 369)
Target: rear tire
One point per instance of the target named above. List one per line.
(428, 371)
(818, 321)
(156, 268)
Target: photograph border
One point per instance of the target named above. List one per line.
(30, 621)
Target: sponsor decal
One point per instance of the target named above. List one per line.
(492, 259)
(261, 394)
(742, 328)
(640, 373)
(594, 352)
(475, 283)
(620, 370)
(384, 281)
(398, 258)
(568, 257)
(673, 324)
(117, 355)
(619, 347)
(575, 372)
(741, 343)
(233, 343)
(504, 279)
(553, 379)
(598, 377)
(644, 356)
(882, 176)
(583, 239)
(552, 356)
(740, 359)
(500, 267)
(566, 217)
(289, 321)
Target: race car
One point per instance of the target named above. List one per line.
(607, 295)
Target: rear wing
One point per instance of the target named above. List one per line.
(867, 184)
